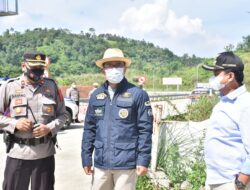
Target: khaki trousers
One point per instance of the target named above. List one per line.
(114, 179)
(224, 186)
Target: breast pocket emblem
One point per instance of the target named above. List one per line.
(123, 113)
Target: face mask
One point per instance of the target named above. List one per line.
(215, 84)
(34, 74)
(114, 75)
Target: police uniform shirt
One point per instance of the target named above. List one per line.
(47, 105)
(74, 94)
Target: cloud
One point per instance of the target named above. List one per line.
(157, 16)
(157, 23)
(183, 26)
(145, 19)
(152, 20)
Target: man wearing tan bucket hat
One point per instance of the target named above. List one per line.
(118, 126)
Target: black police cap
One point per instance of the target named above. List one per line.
(34, 58)
(226, 61)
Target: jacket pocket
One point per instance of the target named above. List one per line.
(125, 154)
(48, 107)
(98, 152)
(99, 110)
(124, 110)
(18, 107)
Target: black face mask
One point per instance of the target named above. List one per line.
(34, 74)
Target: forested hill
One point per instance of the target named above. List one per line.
(75, 54)
(73, 57)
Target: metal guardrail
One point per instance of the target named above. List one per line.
(84, 100)
(158, 96)
(162, 97)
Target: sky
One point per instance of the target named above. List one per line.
(197, 27)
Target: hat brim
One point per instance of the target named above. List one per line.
(35, 64)
(100, 62)
(212, 67)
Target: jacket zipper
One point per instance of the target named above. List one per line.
(109, 128)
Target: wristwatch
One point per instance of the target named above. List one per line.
(240, 185)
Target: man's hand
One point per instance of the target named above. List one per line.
(141, 170)
(24, 125)
(245, 179)
(41, 131)
(88, 170)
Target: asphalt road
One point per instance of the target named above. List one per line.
(69, 173)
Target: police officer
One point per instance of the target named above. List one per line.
(118, 126)
(73, 93)
(36, 112)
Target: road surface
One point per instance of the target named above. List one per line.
(69, 173)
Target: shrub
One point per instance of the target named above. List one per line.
(169, 158)
(144, 183)
(202, 109)
(198, 111)
(173, 165)
(197, 175)
(176, 165)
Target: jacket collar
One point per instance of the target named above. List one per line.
(121, 86)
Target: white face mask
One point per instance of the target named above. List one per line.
(114, 75)
(215, 84)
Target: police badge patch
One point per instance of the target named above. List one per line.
(99, 111)
(101, 96)
(47, 90)
(49, 109)
(126, 95)
(123, 113)
(18, 110)
(18, 102)
(38, 57)
(150, 112)
(147, 103)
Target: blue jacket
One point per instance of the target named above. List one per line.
(120, 130)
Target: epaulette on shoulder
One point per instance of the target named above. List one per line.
(12, 79)
(51, 80)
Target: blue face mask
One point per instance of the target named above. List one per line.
(215, 82)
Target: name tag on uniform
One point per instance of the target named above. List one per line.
(18, 95)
